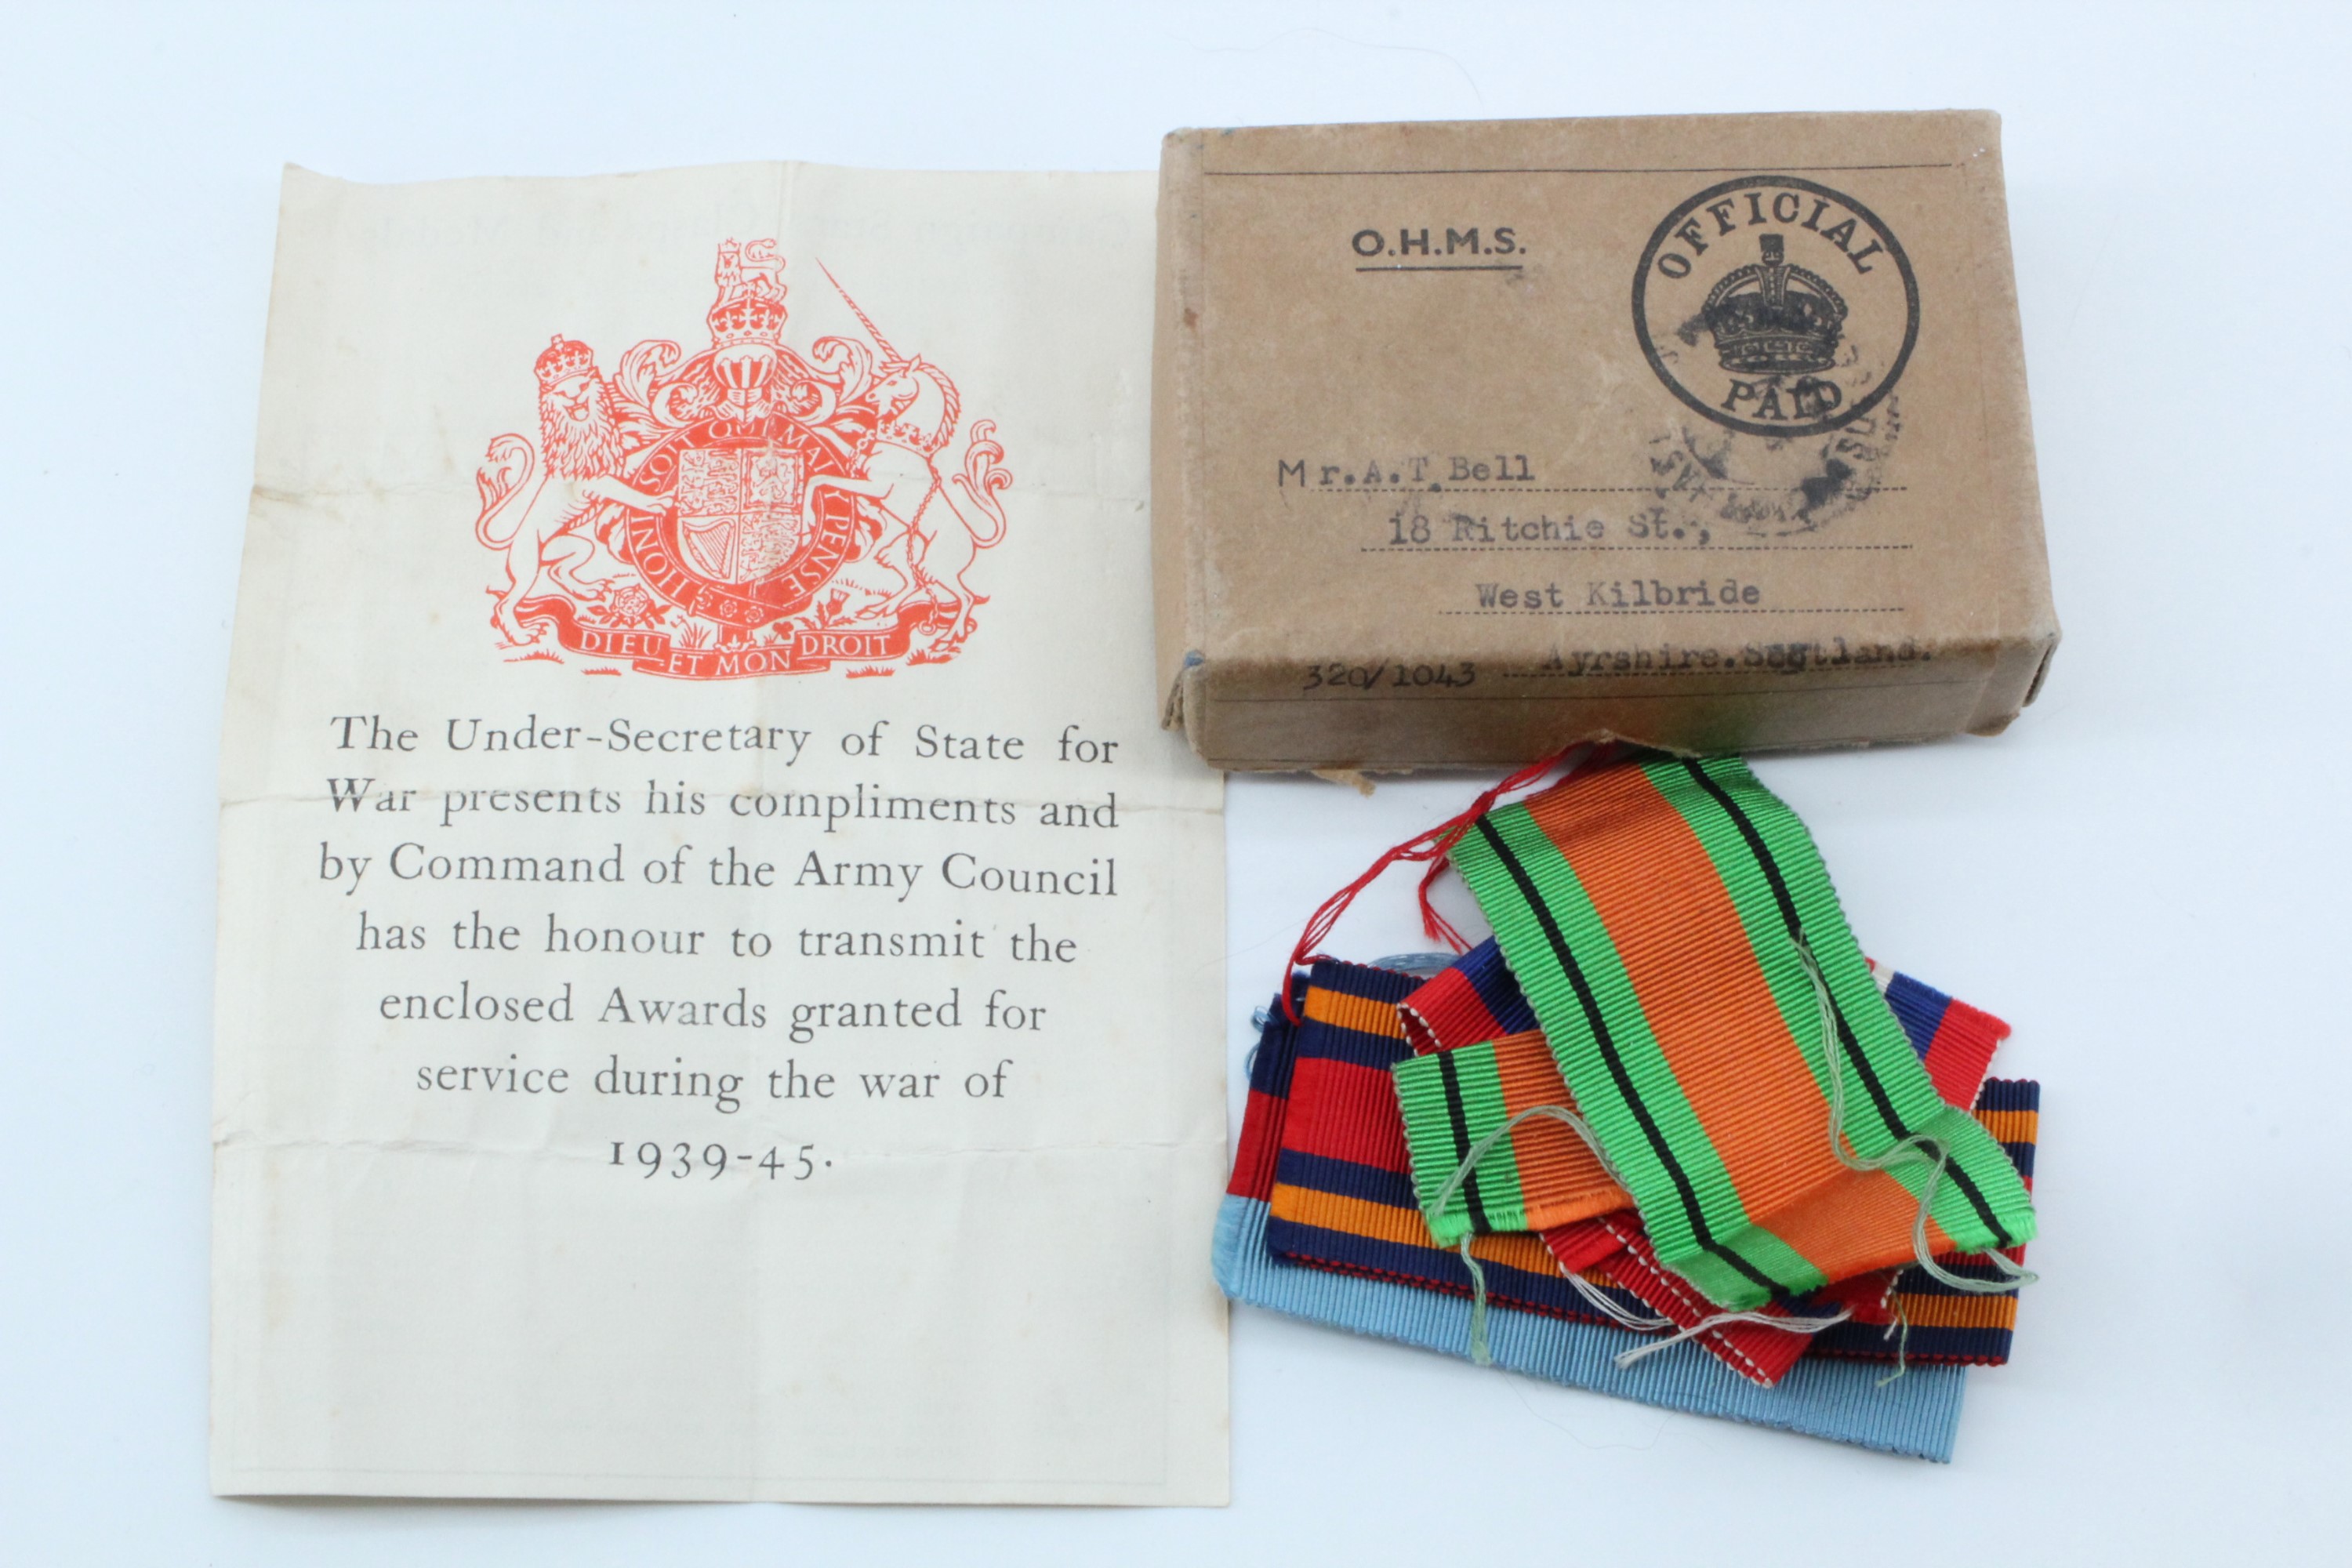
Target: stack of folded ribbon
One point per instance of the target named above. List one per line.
(1666, 1135)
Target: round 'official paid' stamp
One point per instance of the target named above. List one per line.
(1775, 306)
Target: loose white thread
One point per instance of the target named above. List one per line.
(1764, 1320)
(1585, 1287)
(1479, 1354)
(1485, 1146)
(1599, 1299)
(1918, 1148)
(1899, 1328)
(1611, 1311)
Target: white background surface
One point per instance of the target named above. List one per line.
(2145, 876)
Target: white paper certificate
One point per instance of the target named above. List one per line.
(719, 972)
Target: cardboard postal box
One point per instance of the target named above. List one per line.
(1472, 439)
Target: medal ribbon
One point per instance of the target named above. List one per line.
(1677, 938)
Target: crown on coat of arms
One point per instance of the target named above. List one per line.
(750, 304)
(1764, 326)
(562, 358)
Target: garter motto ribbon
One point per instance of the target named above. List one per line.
(1675, 934)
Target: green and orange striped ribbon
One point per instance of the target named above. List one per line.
(1659, 915)
(1538, 1176)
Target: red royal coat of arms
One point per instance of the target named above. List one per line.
(746, 511)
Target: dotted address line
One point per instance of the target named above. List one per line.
(1568, 546)
(1727, 487)
(1700, 610)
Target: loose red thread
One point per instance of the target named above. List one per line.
(1433, 845)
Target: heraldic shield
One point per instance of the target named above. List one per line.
(735, 540)
(739, 509)
(747, 510)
